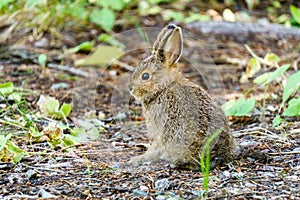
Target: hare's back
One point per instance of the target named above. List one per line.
(196, 108)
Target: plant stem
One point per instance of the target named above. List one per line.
(264, 100)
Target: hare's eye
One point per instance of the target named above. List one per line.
(145, 76)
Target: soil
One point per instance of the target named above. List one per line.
(99, 169)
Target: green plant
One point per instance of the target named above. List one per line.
(242, 107)
(295, 20)
(53, 15)
(205, 159)
(180, 16)
(42, 60)
(10, 151)
(49, 106)
(19, 120)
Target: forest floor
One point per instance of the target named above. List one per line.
(98, 167)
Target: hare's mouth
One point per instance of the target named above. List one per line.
(133, 94)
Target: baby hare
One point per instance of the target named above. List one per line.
(180, 116)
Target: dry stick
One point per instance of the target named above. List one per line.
(284, 153)
(236, 195)
(69, 69)
(23, 196)
(259, 130)
(124, 66)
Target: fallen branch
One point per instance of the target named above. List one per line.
(72, 70)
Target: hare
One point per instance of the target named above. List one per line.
(180, 116)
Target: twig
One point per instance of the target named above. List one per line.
(229, 196)
(69, 69)
(124, 66)
(38, 169)
(284, 153)
(23, 196)
(253, 130)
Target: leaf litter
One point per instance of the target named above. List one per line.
(96, 166)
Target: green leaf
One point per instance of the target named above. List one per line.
(105, 18)
(85, 46)
(103, 37)
(262, 78)
(291, 86)
(42, 59)
(277, 121)
(293, 109)
(113, 4)
(194, 17)
(240, 107)
(18, 157)
(173, 15)
(77, 10)
(35, 133)
(146, 9)
(272, 59)
(3, 140)
(268, 77)
(295, 13)
(253, 67)
(276, 4)
(16, 96)
(13, 148)
(277, 73)
(48, 105)
(6, 88)
(34, 3)
(103, 55)
(116, 4)
(5, 3)
(66, 109)
(70, 140)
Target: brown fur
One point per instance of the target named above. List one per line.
(180, 116)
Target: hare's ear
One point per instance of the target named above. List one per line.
(168, 45)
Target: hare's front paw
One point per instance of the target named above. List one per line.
(137, 160)
(148, 157)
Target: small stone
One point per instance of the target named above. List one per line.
(271, 108)
(113, 73)
(278, 183)
(30, 174)
(250, 185)
(42, 43)
(162, 184)
(144, 188)
(292, 178)
(58, 86)
(226, 174)
(46, 195)
(161, 197)
(139, 193)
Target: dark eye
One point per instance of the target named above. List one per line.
(145, 76)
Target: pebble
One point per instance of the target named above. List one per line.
(144, 188)
(42, 43)
(30, 174)
(58, 86)
(226, 174)
(292, 178)
(44, 194)
(139, 193)
(162, 184)
(160, 197)
(250, 185)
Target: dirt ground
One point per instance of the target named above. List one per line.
(99, 169)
